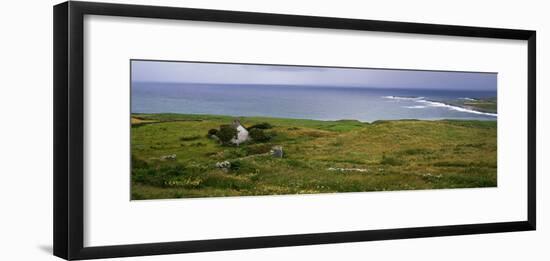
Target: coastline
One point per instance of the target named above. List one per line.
(137, 118)
(466, 104)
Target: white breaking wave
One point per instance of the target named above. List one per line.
(415, 107)
(456, 108)
(467, 99)
(438, 104)
(403, 98)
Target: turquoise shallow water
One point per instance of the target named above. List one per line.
(304, 102)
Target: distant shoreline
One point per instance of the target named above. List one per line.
(137, 120)
(466, 108)
(482, 106)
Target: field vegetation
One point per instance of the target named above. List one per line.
(175, 156)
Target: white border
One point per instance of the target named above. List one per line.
(110, 218)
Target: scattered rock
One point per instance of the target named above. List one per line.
(223, 165)
(430, 175)
(347, 169)
(242, 133)
(168, 157)
(277, 151)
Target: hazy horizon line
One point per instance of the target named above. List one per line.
(319, 86)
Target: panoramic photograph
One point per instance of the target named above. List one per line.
(201, 129)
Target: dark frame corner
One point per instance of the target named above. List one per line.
(68, 129)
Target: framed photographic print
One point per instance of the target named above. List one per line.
(219, 130)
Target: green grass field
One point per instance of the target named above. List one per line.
(319, 156)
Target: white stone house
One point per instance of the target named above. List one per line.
(242, 133)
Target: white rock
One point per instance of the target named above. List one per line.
(242, 133)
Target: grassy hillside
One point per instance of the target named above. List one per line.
(319, 156)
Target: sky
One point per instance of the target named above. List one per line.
(220, 73)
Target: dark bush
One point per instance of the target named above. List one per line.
(241, 166)
(261, 126)
(226, 133)
(146, 176)
(235, 165)
(235, 153)
(212, 132)
(259, 135)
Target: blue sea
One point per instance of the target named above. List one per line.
(305, 102)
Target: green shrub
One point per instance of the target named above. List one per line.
(261, 126)
(172, 171)
(242, 166)
(236, 152)
(227, 133)
(212, 132)
(259, 135)
(235, 165)
(146, 176)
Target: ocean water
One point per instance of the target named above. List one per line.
(304, 102)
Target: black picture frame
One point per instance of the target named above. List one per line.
(69, 128)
